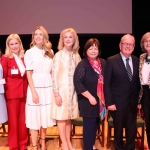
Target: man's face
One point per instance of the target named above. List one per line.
(127, 45)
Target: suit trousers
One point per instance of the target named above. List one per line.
(124, 119)
(90, 126)
(17, 131)
(146, 108)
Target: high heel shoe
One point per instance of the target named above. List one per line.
(40, 143)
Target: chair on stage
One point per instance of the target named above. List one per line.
(79, 122)
(139, 124)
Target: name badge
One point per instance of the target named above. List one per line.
(14, 71)
(2, 81)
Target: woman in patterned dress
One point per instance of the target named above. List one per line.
(38, 62)
(65, 106)
(144, 74)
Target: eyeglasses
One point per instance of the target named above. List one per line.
(128, 44)
(147, 41)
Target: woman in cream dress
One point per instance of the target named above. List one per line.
(65, 106)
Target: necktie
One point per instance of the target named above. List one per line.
(128, 69)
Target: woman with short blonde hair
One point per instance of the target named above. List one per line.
(8, 51)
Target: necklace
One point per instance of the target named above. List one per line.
(147, 60)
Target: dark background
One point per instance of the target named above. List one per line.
(109, 42)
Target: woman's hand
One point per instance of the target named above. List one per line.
(35, 98)
(90, 97)
(58, 100)
(92, 100)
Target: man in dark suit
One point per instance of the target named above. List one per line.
(121, 87)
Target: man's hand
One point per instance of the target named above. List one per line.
(112, 107)
(139, 106)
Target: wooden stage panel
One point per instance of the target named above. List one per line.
(52, 141)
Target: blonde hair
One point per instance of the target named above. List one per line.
(61, 39)
(144, 37)
(8, 52)
(46, 43)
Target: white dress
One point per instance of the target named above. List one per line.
(38, 115)
(3, 109)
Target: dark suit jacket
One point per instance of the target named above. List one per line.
(86, 79)
(16, 85)
(118, 89)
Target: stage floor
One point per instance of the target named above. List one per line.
(52, 141)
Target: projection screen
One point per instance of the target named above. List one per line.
(85, 16)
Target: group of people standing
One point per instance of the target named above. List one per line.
(42, 89)
(39, 88)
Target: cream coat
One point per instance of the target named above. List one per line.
(64, 64)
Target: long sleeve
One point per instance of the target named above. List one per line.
(16, 84)
(107, 83)
(5, 67)
(85, 80)
(55, 72)
(79, 76)
(78, 59)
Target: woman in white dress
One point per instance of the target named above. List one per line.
(3, 109)
(65, 106)
(38, 62)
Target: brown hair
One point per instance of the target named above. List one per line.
(89, 43)
(144, 37)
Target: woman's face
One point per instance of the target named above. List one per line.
(68, 39)
(38, 38)
(93, 52)
(147, 44)
(14, 46)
